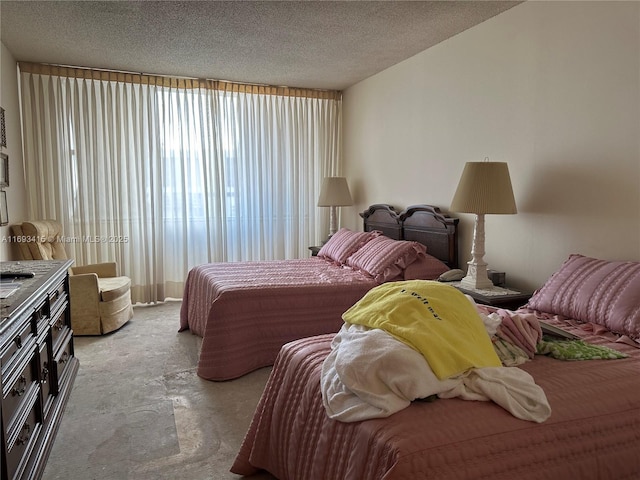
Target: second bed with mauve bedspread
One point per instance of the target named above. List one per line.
(245, 311)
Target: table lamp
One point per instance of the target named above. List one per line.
(334, 193)
(484, 187)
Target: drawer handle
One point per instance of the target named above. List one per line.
(18, 341)
(45, 372)
(64, 358)
(21, 387)
(25, 434)
(59, 325)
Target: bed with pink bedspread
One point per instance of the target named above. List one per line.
(593, 431)
(246, 311)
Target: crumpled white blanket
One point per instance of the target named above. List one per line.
(370, 374)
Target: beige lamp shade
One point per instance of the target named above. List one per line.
(334, 193)
(484, 187)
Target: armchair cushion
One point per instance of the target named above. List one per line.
(113, 287)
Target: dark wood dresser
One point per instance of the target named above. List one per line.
(38, 364)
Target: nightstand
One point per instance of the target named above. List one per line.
(314, 250)
(497, 297)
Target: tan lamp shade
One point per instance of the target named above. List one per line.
(484, 187)
(334, 193)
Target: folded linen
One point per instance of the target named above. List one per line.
(521, 329)
(370, 374)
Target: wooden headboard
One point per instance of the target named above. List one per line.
(425, 224)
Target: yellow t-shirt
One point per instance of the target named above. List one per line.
(434, 318)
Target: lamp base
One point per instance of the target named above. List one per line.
(333, 220)
(477, 277)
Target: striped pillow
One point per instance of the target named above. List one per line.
(384, 258)
(343, 244)
(598, 291)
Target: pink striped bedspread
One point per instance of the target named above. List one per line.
(593, 432)
(246, 311)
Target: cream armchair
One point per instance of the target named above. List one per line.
(100, 299)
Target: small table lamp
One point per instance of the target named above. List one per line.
(334, 193)
(485, 187)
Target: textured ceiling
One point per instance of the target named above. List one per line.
(310, 44)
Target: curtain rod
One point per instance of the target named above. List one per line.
(174, 82)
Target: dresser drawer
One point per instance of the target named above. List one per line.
(57, 296)
(40, 317)
(20, 343)
(45, 377)
(21, 443)
(59, 329)
(17, 393)
(63, 360)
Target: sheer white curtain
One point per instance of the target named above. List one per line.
(161, 175)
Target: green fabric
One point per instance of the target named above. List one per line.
(509, 354)
(575, 350)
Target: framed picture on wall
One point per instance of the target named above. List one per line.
(3, 130)
(4, 211)
(4, 170)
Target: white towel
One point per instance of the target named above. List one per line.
(370, 374)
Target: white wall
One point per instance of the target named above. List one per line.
(552, 88)
(16, 193)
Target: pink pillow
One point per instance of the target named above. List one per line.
(596, 291)
(385, 259)
(425, 267)
(343, 244)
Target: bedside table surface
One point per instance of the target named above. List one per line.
(497, 296)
